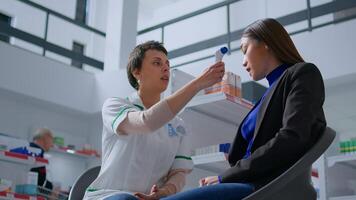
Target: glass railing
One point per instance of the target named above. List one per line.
(45, 38)
(311, 16)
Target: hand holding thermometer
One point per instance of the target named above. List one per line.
(219, 54)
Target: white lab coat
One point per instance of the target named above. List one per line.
(133, 163)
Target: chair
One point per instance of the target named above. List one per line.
(82, 183)
(295, 183)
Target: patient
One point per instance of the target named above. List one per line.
(282, 125)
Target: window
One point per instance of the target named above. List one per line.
(5, 19)
(81, 11)
(78, 48)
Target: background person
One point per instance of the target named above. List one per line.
(42, 139)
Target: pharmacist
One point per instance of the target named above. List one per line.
(146, 153)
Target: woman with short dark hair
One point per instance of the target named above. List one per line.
(146, 151)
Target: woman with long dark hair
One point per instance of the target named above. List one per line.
(281, 126)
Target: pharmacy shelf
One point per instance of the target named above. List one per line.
(74, 153)
(22, 159)
(214, 162)
(351, 159)
(221, 106)
(353, 197)
(214, 118)
(11, 195)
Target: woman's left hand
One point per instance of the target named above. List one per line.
(154, 194)
(210, 180)
(142, 196)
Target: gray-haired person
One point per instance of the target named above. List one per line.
(42, 139)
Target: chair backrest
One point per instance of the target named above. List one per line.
(295, 183)
(82, 183)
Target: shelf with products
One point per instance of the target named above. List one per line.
(340, 176)
(22, 159)
(215, 118)
(75, 153)
(337, 173)
(11, 195)
(352, 197)
(214, 162)
(345, 158)
(221, 106)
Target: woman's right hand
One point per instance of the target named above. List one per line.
(210, 76)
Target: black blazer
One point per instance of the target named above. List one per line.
(289, 122)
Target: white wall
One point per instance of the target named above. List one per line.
(39, 77)
(21, 115)
(54, 82)
(39, 92)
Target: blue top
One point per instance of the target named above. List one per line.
(248, 126)
(32, 144)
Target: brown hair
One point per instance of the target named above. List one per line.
(271, 32)
(136, 58)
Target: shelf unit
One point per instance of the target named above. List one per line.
(22, 159)
(353, 197)
(349, 158)
(216, 118)
(214, 162)
(340, 170)
(221, 106)
(14, 167)
(74, 153)
(213, 119)
(11, 196)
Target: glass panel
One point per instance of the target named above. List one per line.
(279, 8)
(152, 35)
(94, 43)
(20, 13)
(155, 12)
(26, 45)
(243, 13)
(235, 44)
(318, 2)
(196, 29)
(58, 57)
(66, 7)
(195, 56)
(322, 19)
(296, 26)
